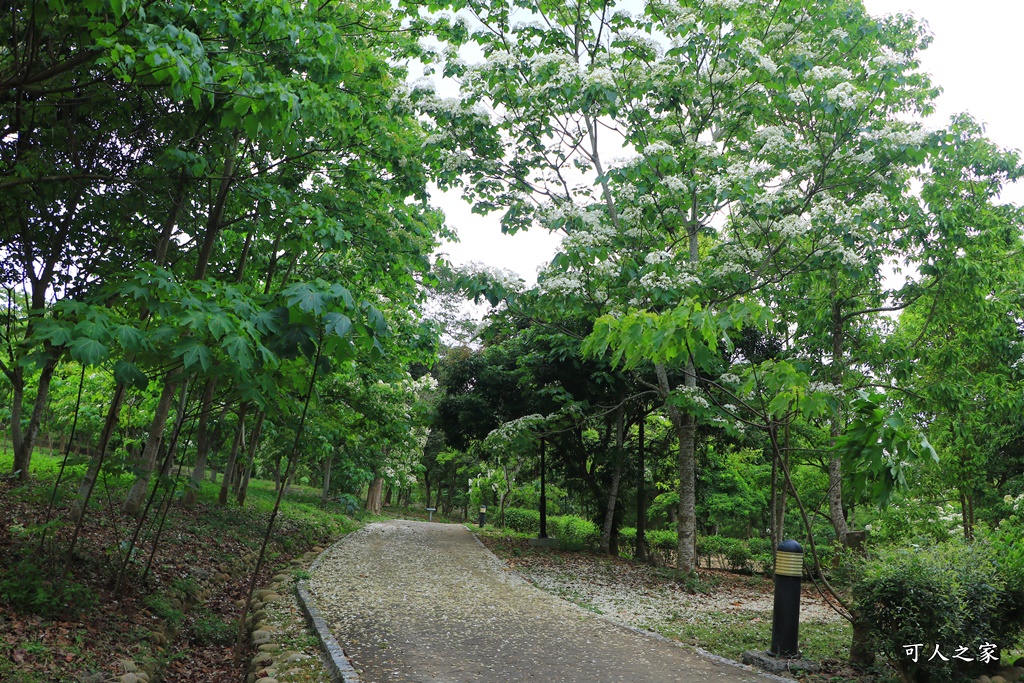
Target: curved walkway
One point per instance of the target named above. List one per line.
(415, 602)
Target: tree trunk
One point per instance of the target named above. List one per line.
(229, 469)
(426, 485)
(147, 461)
(243, 487)
(326, 493)
(387, 496)
(613, 494)
(23, 450)
(216, 213)
(640, 552)
(686, 432)
(89, 481)
(835, 465)
(203, 437)
(373, 496)
(17, 378)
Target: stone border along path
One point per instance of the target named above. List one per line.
(420, 602)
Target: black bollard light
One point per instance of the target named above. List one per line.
(789, 568)
(483, 515)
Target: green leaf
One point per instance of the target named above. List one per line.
(238, 350)
(128, 337)
(88, 351)
(337, 323)
(192, 353)
(129, 374)
(306, 298)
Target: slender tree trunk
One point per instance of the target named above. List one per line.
(236, 444)
(387, 496)
(835, 465)
(23, 450)
(147, 461)
(613, 493)
(640, 552)
(203, 438)
(216, 213)
(965, 514)
(254, 439)
(326, 492)
(426, 485)
(17, 378)
(89, 481)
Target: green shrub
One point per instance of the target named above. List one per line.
(952, 594)
(708, 547)
(29, 587)
(662, 539)
(761, 553)
(627, 541)
(161, 608)
(576, 533)
(209, 629)
(349, 504)
(522, 520)
(737, 554)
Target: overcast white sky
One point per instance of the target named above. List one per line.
(976, 58)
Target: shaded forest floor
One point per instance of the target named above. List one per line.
(86, 632)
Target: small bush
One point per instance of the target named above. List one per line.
(952, 594)
(522, 520)
(576, 533)
(162, 609)
(737, 554)
(708, 547)
(663, 539)
(350, 505)
(627, 541)
(209, 629)
(761, 553)
(30, 588)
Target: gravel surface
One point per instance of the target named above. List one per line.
(634, 594)
(425, 603)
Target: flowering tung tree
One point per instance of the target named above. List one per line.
(758, 140)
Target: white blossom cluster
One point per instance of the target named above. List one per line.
(888, 58)
(794, 226)
(694, 396)
(657, 257)
(824, 388)
(658, 147)
(664, 281)
(569, 284)
(726, 4)
(846, 95)
(828, 73)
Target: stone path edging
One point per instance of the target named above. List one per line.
(337, 663)
(653, 634)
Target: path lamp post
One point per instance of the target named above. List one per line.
(789, 569)
(483, 515)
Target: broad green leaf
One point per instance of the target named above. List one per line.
(130, 374)
(88, 351)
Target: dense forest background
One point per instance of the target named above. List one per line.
(781, 307)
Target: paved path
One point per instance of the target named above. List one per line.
(415, 602)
